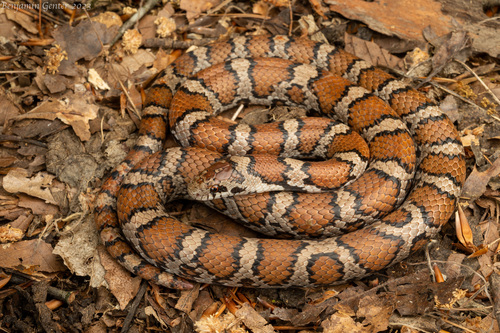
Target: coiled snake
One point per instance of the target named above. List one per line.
(408, 191)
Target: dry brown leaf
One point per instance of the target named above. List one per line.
(187, 298)
(476, 183)
(254, 321)
(22, 19)
(75, 110)
(121, 284)
(405, 18)
(77, 248)
(479, 252)
(261, 8)
(194, 8)
(9, 109)
(30, 254)
(37, 206)
(464, 231)
(371, 52)
(18, 180)
(340, 322)
(376, 312)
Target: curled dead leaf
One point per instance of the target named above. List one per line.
(438, 274)
(18, 180)
(476, 183)
(463, 230)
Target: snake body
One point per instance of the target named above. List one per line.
(416, 169)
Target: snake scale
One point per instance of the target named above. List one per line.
(408, 191)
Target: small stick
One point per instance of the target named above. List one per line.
(480, 81)
(170, 43)
(14, 138)
(133, 308)
(133, 19)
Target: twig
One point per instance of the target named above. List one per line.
(133, 308)
(461, 265)
(170, 43)
(237, 113)
(62, 295)
(457, 325)
(480, 81)
(429, 263)
(14, 138)
(133, 19)
(218, 7)
(18, 72)
(436, 85)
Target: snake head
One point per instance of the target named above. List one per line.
(220, 180)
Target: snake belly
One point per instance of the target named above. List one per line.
(206, 257)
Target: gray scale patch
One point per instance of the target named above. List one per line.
(240, 48)
(342, 107)
(449, 148)
(240, 146)
(392, 168)
(202, 61)
(300, 273)
(347, 212)
(386, 125)
(172, 80)
(296, 176)
(279, 48)
(290, 147)
(247, 255)
(133, 261)
(443, 183)
(280, 206)
(182, 129)
(190, 245)
(357, 164)
(354, 73)
(302, 76)
(245, 84)
(106, 200)
(152, 144)
(322, 56)
(388, 89)
(326, 140)
(195, 86)
(414, 119)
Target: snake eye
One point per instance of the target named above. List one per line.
(218, 189)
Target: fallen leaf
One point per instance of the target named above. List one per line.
(476, 183)
(121, 284)
(254, 321)
(376, 312)
(405, 19)
(22, 19)
(194, 8)
(77, 248)
(30, 253)
(340, 322)
(37, 206)
(18, 180)
(371, 52)
(75, 110)
(464, 231)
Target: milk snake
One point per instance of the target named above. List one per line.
(411, 139)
